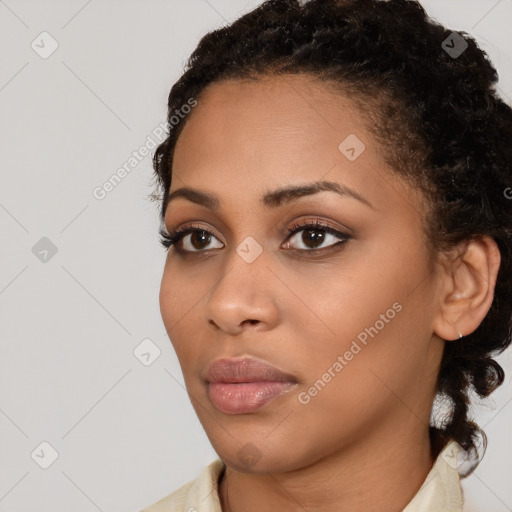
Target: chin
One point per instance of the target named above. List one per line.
(251, 454)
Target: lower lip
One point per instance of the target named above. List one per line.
(245, 397)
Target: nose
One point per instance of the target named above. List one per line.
(244, 297)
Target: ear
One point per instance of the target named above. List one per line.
(467, 287)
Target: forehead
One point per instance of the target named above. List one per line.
(280, 112)
(244, 137)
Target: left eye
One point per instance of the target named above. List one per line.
(311, 237)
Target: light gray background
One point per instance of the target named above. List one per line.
(125, 433)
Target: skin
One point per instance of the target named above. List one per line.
(362, 442)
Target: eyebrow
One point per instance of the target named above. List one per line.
(274, 198)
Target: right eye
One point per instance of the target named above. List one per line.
(189, 240)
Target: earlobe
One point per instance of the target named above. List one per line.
(467, 290)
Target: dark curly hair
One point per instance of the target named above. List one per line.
(440, 122)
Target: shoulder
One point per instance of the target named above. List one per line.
(199, 495)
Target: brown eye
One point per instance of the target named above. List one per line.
(198, 240)
(312, 238)
(189, 240)
(315, 236)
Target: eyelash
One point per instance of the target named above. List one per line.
(172, 239)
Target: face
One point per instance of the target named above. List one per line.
(343, 307)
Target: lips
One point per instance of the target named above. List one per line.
(246, 369)
(241, 386)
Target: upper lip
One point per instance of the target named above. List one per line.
(246, 369)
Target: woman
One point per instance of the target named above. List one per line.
(335, 207)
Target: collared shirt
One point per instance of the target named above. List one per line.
(440, 491)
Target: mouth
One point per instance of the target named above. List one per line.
(241, 386)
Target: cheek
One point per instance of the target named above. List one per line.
(362, 337)
(366, 314)
(177, 299)
(168, 297)
(182, 300)
(181, 292)
(338, 304)
(352, 378)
